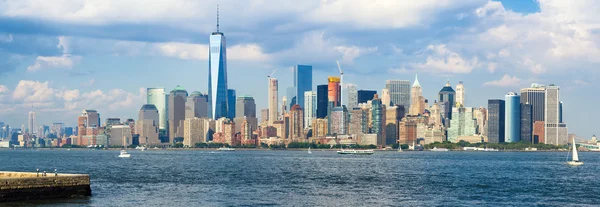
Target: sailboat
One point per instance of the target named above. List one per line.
(309, 152)
(575, 161)
(399, 148)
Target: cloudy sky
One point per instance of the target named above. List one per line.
(63, 56)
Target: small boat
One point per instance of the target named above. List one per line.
(226, 149)
(309, 152)
(435, 149)
(69, 149)
(355, 152)
(124, 154)
(399, 148)
(575, 161)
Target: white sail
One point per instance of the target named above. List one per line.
(575, 156)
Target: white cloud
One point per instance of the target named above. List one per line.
(352, 52)
(7, 38)
(33, 91)
(63, 44)
(183, 50)
(43, 62)
(4, 89)
(505, 81)
(443, 60)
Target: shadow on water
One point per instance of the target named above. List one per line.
(74, 201)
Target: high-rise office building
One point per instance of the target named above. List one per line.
(512, 123)
(399, 92)
(194, 131)
(31, 121)
(462, 124)
(555, 132)
(310, 108)
(393, 116)
(352, 96)
(148, 125)
(526, 122)
(385, 97)
(231, 100)
(447, 100)
(417, 105)
(378, 119)
(246, 111)
(264, 115)
(177, 99)
(496, 110)
(322, 101)
(273, 101)
(334, 90)
(196, 105)
(460, 94)
(536, 96)
(158, 98)
(302, 82)
(217, 74)
(296, 121)
(120, 135)
(365, 95)
(338, 120)
(92, 118)
(291, 97)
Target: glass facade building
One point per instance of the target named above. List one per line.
(177, 99)
(463, 124)
(302, 83)
(230, 103)
(512, 130)
(526, 123)
(322, 101)
(365, 95)
(217, 76)
(496, 121)
(310, 109)
(399, 92)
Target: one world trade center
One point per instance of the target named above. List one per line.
(217, 75)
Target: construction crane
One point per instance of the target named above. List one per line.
(272, 73)
(341, 83)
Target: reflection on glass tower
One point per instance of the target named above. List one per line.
(217, 75)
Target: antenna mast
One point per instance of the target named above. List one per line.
(217, 18)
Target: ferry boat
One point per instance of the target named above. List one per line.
(124, 154)
(435, 149)
(226, 149)
(355, 152)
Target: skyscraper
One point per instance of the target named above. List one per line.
(385, 97)
(31, 121)
(462, 124)
(217, 74)
(416, 98)
(555, 133)
(536, 96)
(196, 105)
(92, 118)
(365, 95)
(378, 119)
(246, 111)
(310, 108)
(231, 100)
(352, 96)
(322, 100)
(496, 121)
(447, 99)
(177, 99)
(147, 125)
(399, 92)
(338, 120)
(273, 101)
(512, 130)
(460, 93)
(334, 90)
(290, 93)
(158, 98)
(526, 122)
(295, 124)
(302, 82)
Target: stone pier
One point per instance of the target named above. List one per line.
(19, 186)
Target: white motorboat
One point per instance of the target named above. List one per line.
(575, 161)
(435, 149)
(309, 152)
(226, 149)
(355, 152)
(124, 154)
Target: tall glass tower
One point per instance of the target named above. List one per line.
(302, 82)
(512, 130)
(158, 98)
(217, 75)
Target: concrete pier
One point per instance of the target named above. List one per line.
(19, 186)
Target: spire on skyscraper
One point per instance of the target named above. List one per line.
(217, 18)
(448, 82)
(416, 84)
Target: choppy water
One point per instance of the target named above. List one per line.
(323, 178)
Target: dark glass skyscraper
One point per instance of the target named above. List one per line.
(302, 83)
(322, 99)
(230, 104)
(217, 75)
(526, 122)
(365, 95)
(177, 99)
(447, 99)
(496, 121)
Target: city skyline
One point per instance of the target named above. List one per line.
(52, 97)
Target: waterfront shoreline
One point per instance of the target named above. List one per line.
(263, 149)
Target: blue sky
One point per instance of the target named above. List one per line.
(64, 56)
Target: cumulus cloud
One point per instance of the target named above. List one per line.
(443, 60)
(505, 81)
(62, 62)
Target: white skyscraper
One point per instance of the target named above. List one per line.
(32, 126)
(273, 99)
(555, 133)
(310, 108)
(352, 96)
(460, 93)
(385, 97)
